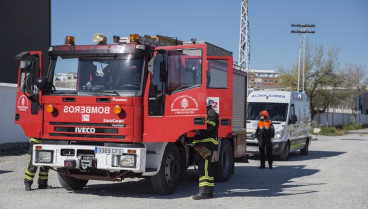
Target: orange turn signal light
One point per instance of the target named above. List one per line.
(50, 108)
(38, 147)
(132, 151)
(117, 109)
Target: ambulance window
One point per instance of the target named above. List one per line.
(217, 75)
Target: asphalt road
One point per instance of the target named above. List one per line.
(333, 175)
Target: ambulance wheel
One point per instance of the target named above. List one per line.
(223, 168)
(305, 150)
(167, 179)
(285, 153)
(70, 183)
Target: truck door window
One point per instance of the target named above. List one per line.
(156, 98)
(217, 74)
(184, 69)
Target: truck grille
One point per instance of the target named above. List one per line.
(87, 130)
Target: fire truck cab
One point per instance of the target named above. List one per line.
(129, 109)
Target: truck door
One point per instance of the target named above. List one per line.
(175, 97)
(28, 112)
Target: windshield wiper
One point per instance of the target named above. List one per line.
(100, 92)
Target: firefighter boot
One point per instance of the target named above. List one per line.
(261, 167)
(270, 166)
(28, 186)
(42, 184)
(201, 196)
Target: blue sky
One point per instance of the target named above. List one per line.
(339, 23)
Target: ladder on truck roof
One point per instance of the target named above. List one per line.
(160, 40)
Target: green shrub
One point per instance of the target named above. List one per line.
(352, 127)
(331, 131)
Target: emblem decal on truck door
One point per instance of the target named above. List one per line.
(184, 104)
(22, 103)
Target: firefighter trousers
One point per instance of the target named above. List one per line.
(265, 145)
(206, 179)
(31, 170)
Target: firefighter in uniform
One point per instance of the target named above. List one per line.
(265, 131)
(205, 143)
(31, 170)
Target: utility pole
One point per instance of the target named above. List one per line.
(244, 52)
(301, 31)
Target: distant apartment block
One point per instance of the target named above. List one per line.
(263, 79)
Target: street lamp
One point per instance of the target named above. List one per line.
(301, 31)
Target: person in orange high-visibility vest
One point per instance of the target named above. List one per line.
(265, 131)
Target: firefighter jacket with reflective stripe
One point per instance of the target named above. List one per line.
(212, 125)
(265, 130)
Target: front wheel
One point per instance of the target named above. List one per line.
(70, 183)
(167, 179)
(285, 153)
(223, 168)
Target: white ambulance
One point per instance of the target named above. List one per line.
(290, 115)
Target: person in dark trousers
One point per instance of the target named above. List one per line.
(31, 170)
(205, 143)
(265, 131)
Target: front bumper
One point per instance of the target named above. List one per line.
(252, 147)
(83, 157)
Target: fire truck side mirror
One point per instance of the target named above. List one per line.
(41, 83)
(163, 64)
(163, 71)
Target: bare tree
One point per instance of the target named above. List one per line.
(321, 76)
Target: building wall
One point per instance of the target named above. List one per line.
(25, 25)
(263, 78)
(10, 132)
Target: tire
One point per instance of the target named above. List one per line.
(223, 168)
(168, 178)
(305, 150)
(70, 183)
(285, 153)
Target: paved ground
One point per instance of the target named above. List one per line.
(333, 175)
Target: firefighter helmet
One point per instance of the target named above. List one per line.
(264, 113)
(210, 102)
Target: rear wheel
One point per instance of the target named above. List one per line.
(167, 179)
(70, 183)
(305, 150)
(223, 168)
(285, 153)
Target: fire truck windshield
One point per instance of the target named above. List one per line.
(96, 75)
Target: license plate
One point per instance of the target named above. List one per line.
(109, 150)
(252, 149)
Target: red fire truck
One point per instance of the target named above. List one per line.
(130, 109)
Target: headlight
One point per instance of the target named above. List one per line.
(126, 160)
(43, 156)
(278, 134)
